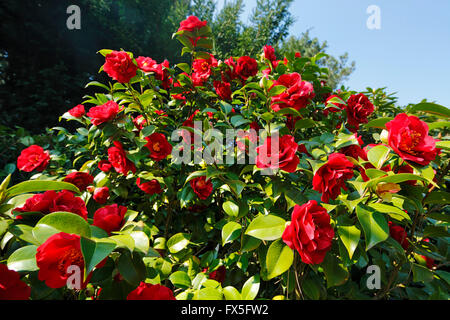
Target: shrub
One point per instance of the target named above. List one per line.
(147, 200)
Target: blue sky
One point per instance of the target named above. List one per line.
(409, 55)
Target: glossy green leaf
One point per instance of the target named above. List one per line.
(131, 268)
(230, 232)
(178, 242)
(180, 279)
(39, 185)
(267, 227)
(279, 259)
(335, 272)
(23, 259)
(431, 108)
(350, 236)
(231, 208)
(251, 288)
(374, 225)
(421, 274)
(231, 293)
(60, 222)
(379, 123)
(393, 212)
(94, 251)
(378, 156)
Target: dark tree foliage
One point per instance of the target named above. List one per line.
(44, 65)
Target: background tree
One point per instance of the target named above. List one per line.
(44, 65)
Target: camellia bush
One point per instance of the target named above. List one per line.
(239, 179)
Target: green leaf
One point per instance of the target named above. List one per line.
(431, 108)
(279, 259)
(230, 232)
(141, 241)
(249, 243)
(304, 124)
(39, 185)
(97, 84)
(378, 156)
(350, 236)
(178, 242)
(238, 120)
(194, 175)
(24, 232)
(374, 225)
(438, 125)
(131, 268)
(231, 293)
(393, 212)
(23, 259)
(180, 279)
(396, 178)
(421, 274)
(435, 232)
(123, 241)
(184, 67)
(276, 90)
(266, 227)
(379, 123)
(231, 208)
(250, 288)
(208, 294)
(60, 222)
(335, 272)
(443, 144)
(94, 251)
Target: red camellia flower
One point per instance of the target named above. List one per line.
(56, 255)
(11, 287)
(33, 158)
(219, 274)
(399, 234)
(163, 75)
(105, 165)
(269, 53)
(408, 137)
(147, 291)
(150, 187)
(201, 187)
(118, 159)
(223, 89)
(297, 94)
(310, 232)
(79, 179)
(101, 195)
(202, 68)
(191, 24)
(110, 218)
(331, 177)
(104, 113)
(146, 64)
(52, 201)
(158, 146)
(246, 67)
(355, 151)
(77, 111)
(67, 202)
(339, 106)
(140, 122)
(284, 158)
(230, 74)
(119, 66)
(358, 109)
